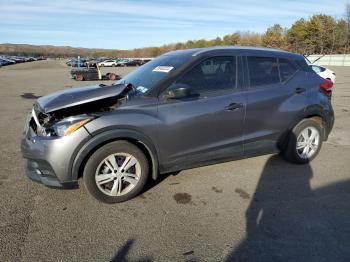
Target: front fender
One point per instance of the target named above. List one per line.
(111, 135)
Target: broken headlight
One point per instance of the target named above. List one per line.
(68, 125)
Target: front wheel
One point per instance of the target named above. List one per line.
(305, 142)
(116, 172)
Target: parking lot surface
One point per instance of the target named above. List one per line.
(257, 209)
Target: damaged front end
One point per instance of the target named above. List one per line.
(54, 130)
(51, 125)
(63, 113)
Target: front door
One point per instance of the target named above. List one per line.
(205, 127)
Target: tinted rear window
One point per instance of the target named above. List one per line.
(303, 65)
(287, 69)
(263, 71)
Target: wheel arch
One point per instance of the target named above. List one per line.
(101, 139)
(315, 112)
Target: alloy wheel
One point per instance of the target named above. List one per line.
(308, 142)
(118, 174)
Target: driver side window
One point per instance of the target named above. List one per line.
(213, 75)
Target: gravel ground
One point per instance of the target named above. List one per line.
(257, 209)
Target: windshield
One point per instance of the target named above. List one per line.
(147, 76)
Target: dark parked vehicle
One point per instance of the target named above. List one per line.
(19, 59)
(182, 110)
(135, 62)
(138, 62)
(30, 59)
(92, 72)
(5, 61)
(71, 61)
(78, 64)
(131, 63)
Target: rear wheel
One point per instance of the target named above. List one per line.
(116, 172)
(304, 142)
(112, 76)
(79, 77)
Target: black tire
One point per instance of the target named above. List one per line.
(112, 76)
(290, 152)
(99, 155)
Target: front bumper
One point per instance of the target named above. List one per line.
(50, 159)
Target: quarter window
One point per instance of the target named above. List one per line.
(215, 74)
(263, 71)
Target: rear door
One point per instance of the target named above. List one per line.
(207, 126)
(275, 98)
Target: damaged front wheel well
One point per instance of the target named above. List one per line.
(153, 163)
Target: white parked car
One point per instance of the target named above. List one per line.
(323, 72)
(108, 63)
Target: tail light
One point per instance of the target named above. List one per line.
(326, 87)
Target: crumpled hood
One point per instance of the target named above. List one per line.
(77, 96)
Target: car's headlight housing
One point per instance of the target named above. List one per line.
(69, 125)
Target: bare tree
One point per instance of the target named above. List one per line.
(347, 19)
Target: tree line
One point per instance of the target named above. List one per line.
(320, 34)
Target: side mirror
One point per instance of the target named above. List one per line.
(178, 91)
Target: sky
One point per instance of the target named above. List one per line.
(128, 24)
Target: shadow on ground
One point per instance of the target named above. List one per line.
(152, 183)
(30, 96)
(122, 253)
(288, 221)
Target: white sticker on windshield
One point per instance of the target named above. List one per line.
(164, 69)
(142, 89)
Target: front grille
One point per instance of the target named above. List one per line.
(41, 117)
(33, 125)
(37, 119)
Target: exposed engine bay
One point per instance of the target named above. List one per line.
(77, 104)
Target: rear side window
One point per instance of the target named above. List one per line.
(287, 69)
(215, 74)
(303, 65)
(263, 71)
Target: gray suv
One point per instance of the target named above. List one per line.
(182, 110)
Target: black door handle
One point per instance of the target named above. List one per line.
(233, 106)
(299, 90)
